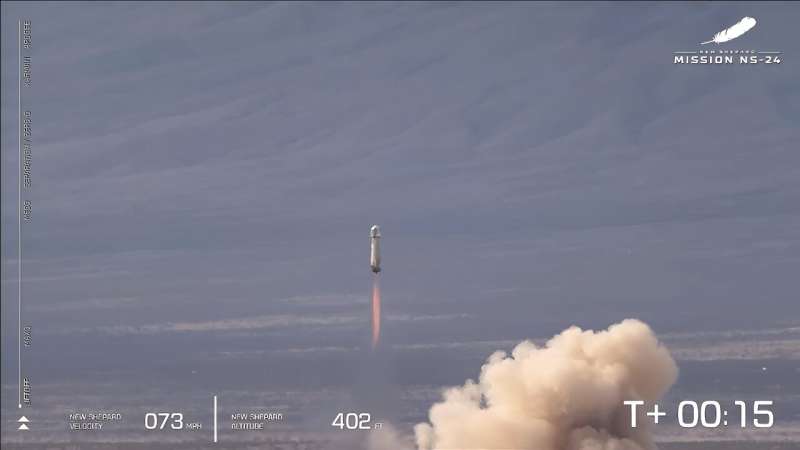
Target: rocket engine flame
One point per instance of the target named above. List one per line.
(376, 312)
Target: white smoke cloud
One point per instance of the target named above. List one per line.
(566, 395)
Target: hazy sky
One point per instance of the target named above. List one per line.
(205, 176)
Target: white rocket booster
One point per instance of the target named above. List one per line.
(375, 249)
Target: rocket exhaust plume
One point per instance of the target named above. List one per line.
(376, 312)
(566, 395)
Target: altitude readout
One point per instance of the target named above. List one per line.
(355, 421)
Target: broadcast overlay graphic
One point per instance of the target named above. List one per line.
(400, 226)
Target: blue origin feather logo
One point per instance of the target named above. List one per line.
(733, 32)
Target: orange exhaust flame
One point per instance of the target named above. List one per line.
(376, 312)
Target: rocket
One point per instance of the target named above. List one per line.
(375, 249)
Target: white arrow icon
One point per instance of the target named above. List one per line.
(23, 427)
(23, 419)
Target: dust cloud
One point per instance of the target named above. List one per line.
(565, 395)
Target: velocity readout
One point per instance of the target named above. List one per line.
(169, 421)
